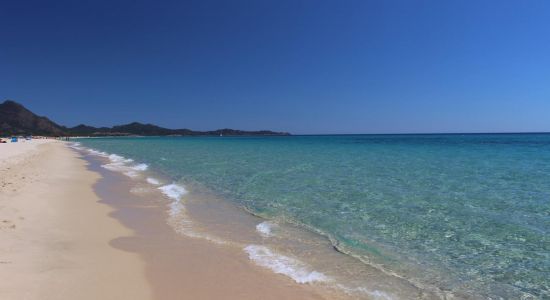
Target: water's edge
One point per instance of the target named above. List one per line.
(291, 267)
(453, 216)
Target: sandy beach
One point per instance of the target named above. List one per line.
(70, 231)
(55, 235)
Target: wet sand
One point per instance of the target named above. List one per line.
(180, 267)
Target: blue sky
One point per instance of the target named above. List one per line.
(300, 66)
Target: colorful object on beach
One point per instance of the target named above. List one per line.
(14, 139)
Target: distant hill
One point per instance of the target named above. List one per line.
(15, 119)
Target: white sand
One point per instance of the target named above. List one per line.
(11, 151)
(54, 236)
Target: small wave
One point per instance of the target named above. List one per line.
(173, 191)
(265, 229)
(119, 159)
(117, 163)
(76, 145)
(98, 153)
(121, 164)
(284, 265)
(118, 166)
(140, 167)
(183, 225)
(152, 181)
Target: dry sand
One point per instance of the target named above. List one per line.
(54, 236)
(60, 240)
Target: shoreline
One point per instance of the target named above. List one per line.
(83, 234)
(181, 265)
(431, 252)
(228, 226)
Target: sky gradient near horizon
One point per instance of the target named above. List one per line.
(314, 66)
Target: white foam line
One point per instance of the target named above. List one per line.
(261, 255)
(173, 191)
(152, 181)
(265, 229)
(284, 265)
(76, 145)
(98, 153)
(178, 218)
(140, 167)
(121, 164)
(117, 163)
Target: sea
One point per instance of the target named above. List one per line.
(434, 216)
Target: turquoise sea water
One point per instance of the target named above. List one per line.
(465, 213)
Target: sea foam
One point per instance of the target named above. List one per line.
(152, 181)
(140, 167)
(76, 145)
(265, 229)
(284, 265)
(98, 153)
(116, 163)
(124, 165)
(173, 191)
(178, 218)
(176, 208)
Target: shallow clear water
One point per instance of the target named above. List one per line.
(464, 213)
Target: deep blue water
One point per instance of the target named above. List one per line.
(463, 212)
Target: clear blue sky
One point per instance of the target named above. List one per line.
(313, 66)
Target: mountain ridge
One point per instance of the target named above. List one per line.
(15, 119)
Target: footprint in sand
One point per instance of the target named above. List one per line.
(7, 224)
